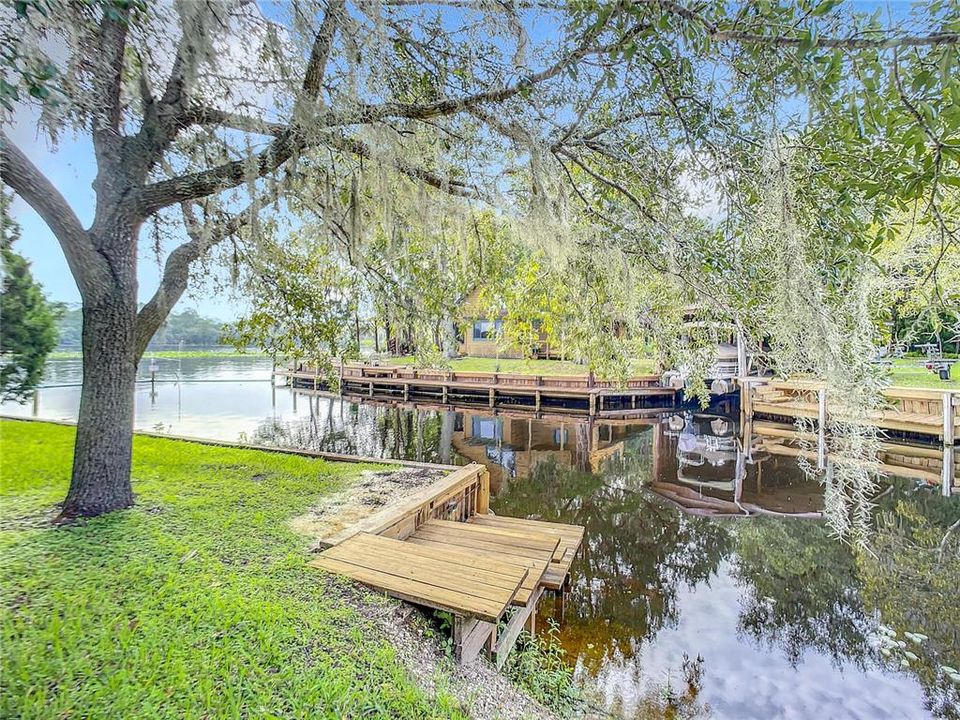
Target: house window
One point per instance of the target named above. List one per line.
(486, 329)
(486, 428)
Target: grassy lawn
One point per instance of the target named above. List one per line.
(910, 372)
(642, 366)
(195, 603)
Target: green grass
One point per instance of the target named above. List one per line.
(641, 366)
(910, 372)
(196, 603)
(170, 354)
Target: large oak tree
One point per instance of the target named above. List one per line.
(220, 109)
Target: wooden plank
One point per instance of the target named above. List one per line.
(451, 553)
(418, 593)
(400, 560)
(469, 637)
(455, 572)
(477, 544)
(570, 539)
(520, 537)
(536, 569)
(563, 529)
(554, 577)
(508, 637)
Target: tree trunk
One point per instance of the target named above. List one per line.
(450, 344)
(102, 457)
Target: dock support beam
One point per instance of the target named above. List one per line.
(822, 428)
(946, 474)
(948, 429)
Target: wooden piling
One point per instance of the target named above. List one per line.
(948, 429)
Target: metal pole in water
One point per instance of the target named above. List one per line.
(153, 380)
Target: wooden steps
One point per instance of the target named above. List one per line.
(439, 548)
(444, 579)
(570, 537)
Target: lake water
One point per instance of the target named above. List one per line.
(708, 586)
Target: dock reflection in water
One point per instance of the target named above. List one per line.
(708, 585)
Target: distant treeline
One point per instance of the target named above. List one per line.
(187, 327)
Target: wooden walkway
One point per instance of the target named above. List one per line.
(441, 549)
(582, 394)
(910, 411)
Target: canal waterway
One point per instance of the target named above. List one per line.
(709, 584)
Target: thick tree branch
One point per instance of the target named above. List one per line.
(176, 270)
(229, 175)
(88, 267)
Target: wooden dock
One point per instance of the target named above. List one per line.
(912, 412)
(574, 394)
(442, 549)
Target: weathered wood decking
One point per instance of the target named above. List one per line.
(581, 394)
(441, 549)
(912, 411)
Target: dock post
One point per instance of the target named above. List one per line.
(537, 401)
(370, 389)
(946, 474)
(444, 400)
(633, 402)
(948, 429)
(406, 391)
(822, 428)
(600, 397)
(593, 404)
(483, 493)
(492, 395)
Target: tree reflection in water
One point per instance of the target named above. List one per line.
(689, 525)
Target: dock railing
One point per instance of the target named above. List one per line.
(363, 371)
(922, 411)
(461, 494)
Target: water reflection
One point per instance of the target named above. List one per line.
(707, 586)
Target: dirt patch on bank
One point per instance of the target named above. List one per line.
(368, 495)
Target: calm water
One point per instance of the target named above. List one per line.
(709, 584)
